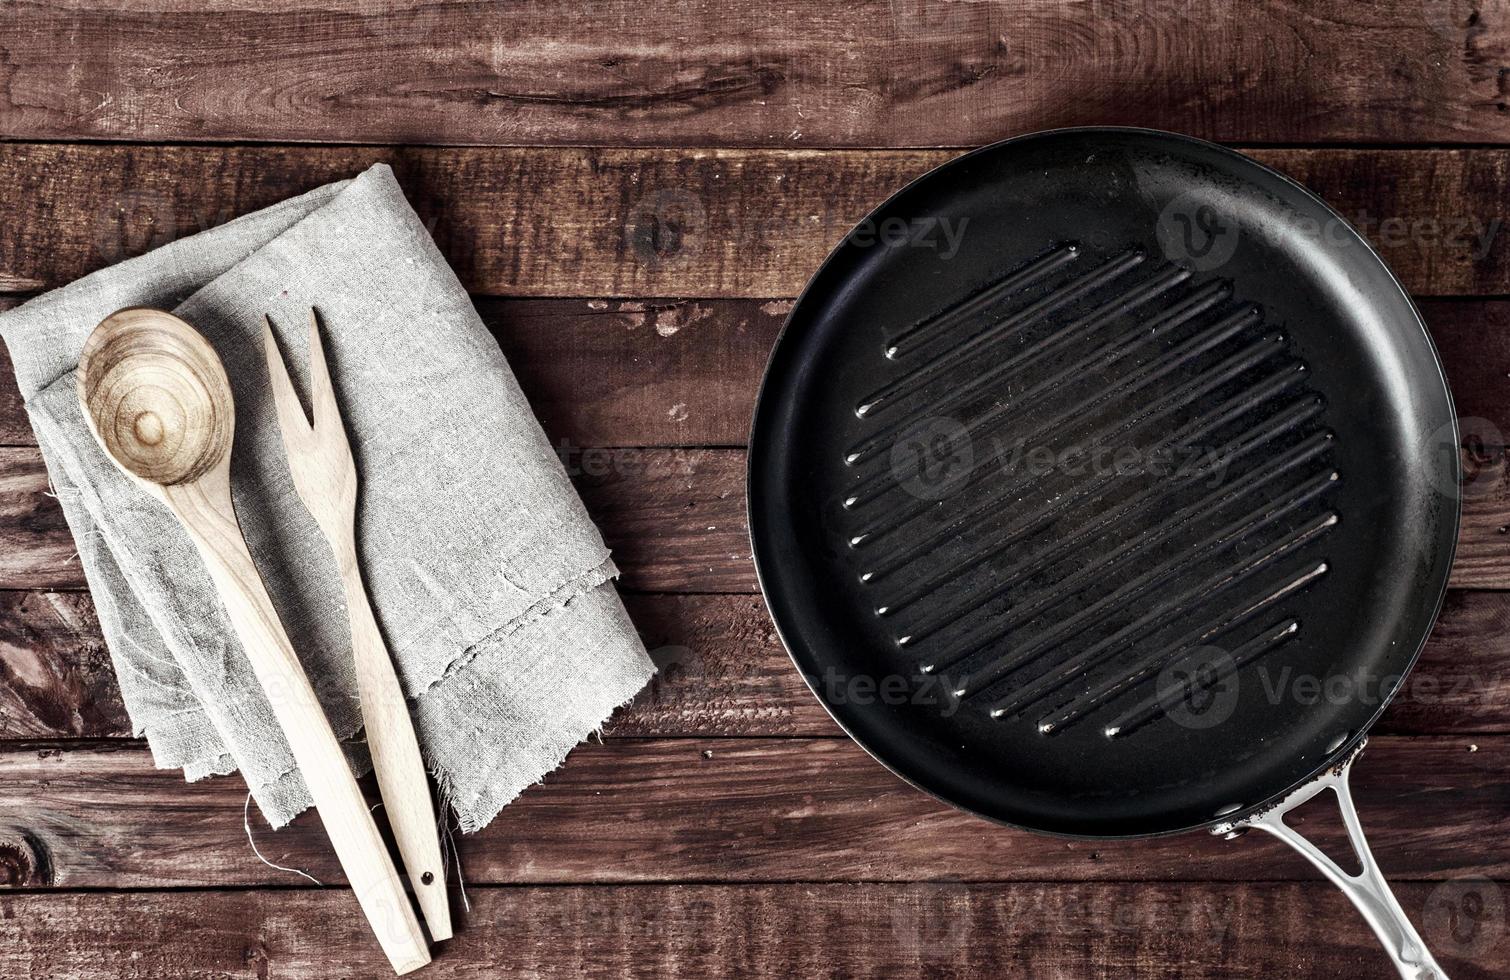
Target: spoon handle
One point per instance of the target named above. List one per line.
(342, 809)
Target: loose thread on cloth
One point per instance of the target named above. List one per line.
(453, 853)
(246, 821)
(54, 493)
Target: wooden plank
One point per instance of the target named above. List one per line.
(633, 810)
(934, 929)
(723, 672)
(599, 372)
(605, 222)
(653, 372)
(674, 518)
(1481, 560)
(668, 372)
(904, 72)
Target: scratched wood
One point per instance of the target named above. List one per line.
(899, 72)
(674, 518)
(747, 809)
(723, 672)
(626, 222)
(684, 372)
(600, 372)
(1212, 931)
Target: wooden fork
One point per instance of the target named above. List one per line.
(326, 478)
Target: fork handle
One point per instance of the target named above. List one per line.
(395, 754)
(359, 846)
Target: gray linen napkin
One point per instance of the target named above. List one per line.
(490, 582)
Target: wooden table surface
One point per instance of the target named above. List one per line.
(634, 194)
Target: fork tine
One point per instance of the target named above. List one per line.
(291, 417)
(322, 395)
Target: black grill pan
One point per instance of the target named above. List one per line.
(1103, 482)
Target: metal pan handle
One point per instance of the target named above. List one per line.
(1367, 890)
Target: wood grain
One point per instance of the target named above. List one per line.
(670, 372)
(601, 372)
(611, 222)
(14, 427)
(939, 929)
(56, 679)
(723, 672)
(649, 372)
(747, 810)
(902, 72)
(38, 546)
(674, 518)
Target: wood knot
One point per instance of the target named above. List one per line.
(23, 861)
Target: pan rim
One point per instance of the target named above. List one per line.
(764, 399)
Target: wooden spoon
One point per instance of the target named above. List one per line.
(156, 397)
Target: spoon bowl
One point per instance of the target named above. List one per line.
(157, 397)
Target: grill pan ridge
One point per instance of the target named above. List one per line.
(1225, 534)
(1053, 525)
